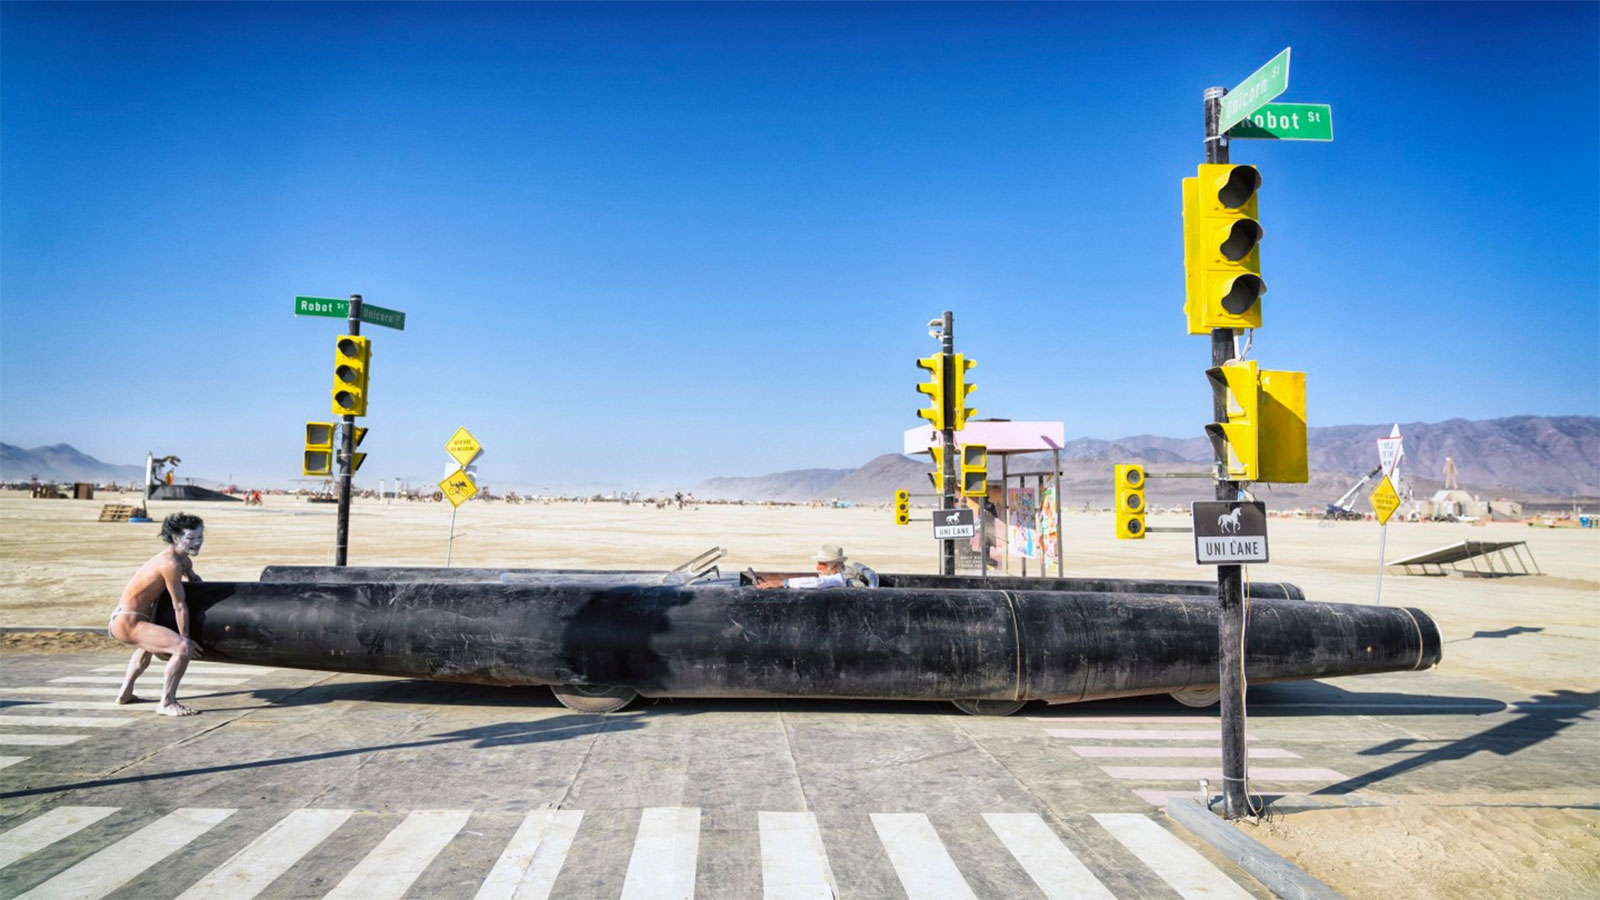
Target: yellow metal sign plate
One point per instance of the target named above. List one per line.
(458, 488)
(1384, 500)
(463, 446)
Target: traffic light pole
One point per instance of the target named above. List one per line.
(947, 549)
(347, 451)
(1230, 579)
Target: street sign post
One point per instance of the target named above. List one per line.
(1287, 122)
(340, 309)
(354, 311)
(460, 483)
(1263, 86)
(1385, 500)
(1229, 532)
(949, 524)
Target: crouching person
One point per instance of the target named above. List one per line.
(133, 620)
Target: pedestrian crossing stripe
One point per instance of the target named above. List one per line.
(44, 700)
(532, 860)
(1178, 864)
(1134, 738)
(152, 678)
(126, 859)
(662, 864)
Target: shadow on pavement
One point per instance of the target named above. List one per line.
(1300, 698)
(1502, 633)
(497, 735)
(426, 693)
(1537, 721)
(1287, 700)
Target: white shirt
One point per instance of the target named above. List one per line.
(835, 580)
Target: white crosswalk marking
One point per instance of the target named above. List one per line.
(248, 872)
(665, 854)
(1194, 773)
(25, 705)
(44, 830)
(151, 678)
(1121, 752)
(400, 858)
(123, 861)
(1138, 734)
(62, 690)
(663, 864)
(1054, 868)
(202, 668)
(794, 865)
(532, 861)
(925, 869)
(1183, 869)
(533, 857)
(10, 760)
(13, 739)
(46, 721)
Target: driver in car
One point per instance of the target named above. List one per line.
(830, 572)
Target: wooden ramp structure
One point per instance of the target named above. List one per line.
(1482, 559)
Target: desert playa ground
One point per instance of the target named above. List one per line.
(1532, 637)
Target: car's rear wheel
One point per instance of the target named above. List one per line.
(989, 707)
(1198, 698)
(593, 698)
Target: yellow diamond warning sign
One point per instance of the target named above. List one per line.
(1384, 500)
(463, 446)
(458, 487)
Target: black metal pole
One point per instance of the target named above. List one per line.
(347, 449)
(947, 549)
(1230, 579)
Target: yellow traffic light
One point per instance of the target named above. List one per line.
(937, 475)
(974, 470)
(1130, 501)
(1222, 256)
(1237, 438)
(958, 403)
(1265, 434)
(319, 449)
(352, 357)
(356, 459)
(934, 389)
(902, 507)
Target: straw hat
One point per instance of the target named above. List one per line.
(830, 553)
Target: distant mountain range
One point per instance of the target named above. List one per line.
(1525, 457)
(62, 462)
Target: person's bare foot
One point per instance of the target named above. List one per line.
(176, 709)
(128, 697)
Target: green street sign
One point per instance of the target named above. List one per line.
(322, 306)
(1263, 86)
(340, 309)
(388, 318)
(1287, 122)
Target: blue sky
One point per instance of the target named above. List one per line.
(653, 244)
